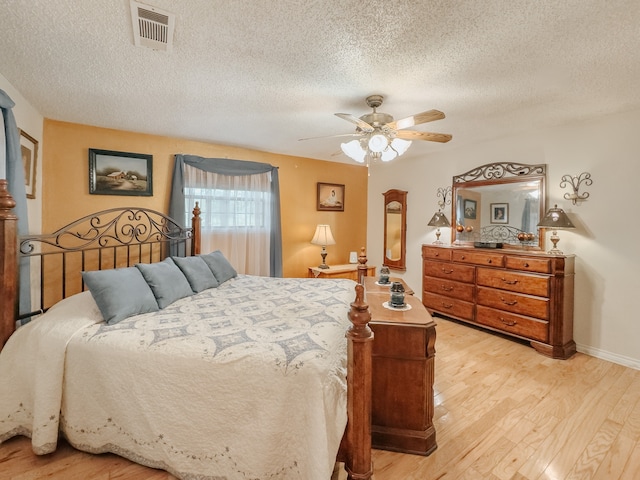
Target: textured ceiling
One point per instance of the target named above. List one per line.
(265, 73)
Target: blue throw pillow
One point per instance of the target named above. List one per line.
(198, 273)
(220, 266)
(120, 293)
(166, 280)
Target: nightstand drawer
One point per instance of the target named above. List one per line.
(514, 281)
(449, 288)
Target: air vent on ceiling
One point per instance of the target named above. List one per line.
(152, 27)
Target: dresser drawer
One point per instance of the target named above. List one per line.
(448, 305)
(514, 302)
(436, 253)
(538, 265)
(450, 288)
(460, 273)
(478, 258)
(514, 324)
(513, 281)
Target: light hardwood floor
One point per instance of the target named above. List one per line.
(502, 411)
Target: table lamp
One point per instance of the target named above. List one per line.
(323, 237)
(555, 219)
(439, 219)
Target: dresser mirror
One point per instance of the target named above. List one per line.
(395, 228)
(499, 203)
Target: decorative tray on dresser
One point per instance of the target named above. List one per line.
(524, 294)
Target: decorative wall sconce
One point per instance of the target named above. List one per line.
(555, 219)
(575, 183)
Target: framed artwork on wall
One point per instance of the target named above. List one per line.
(120, 173)
(499, 213)
(330, 197)
(29, 152)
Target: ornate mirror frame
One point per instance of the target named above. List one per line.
(499, 203)
(395, 229)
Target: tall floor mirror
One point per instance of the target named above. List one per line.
(395, 229)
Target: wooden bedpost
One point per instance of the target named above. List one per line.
(362, 266)
(8, 264)
(195, 234)
(357, 457)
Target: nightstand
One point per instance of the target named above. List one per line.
(349, 271)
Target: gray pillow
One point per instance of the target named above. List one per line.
(198, 273)
(220, 266)
(166, 280)
(120, 293)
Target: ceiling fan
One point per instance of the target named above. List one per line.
(380, 137)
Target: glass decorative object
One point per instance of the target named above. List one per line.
(384, 276)
(397, 295)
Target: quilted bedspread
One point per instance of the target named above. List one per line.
(243, 381)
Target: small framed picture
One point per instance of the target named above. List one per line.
(499, 213)
(120, 173)
(330, 197)
(29, 152)
(469, 209)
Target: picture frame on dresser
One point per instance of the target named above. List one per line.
(120, 173)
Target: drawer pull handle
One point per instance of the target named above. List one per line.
(444, 270)
(507, 302)
(526, 265)
(447, 305)
(462, 257)
(508, 323)
(437, 254)
(445, 288)
(509, 282)
(489, 261)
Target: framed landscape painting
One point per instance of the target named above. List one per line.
(29, 152)
(120, 173)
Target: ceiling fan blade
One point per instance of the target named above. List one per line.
(360, 123)
(432, 137)
(417, 119)
(354, 134)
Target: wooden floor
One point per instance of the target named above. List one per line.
(502, 411)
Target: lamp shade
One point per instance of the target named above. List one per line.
(323, 236)
(439, 219)
(556, 219)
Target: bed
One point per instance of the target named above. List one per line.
(253, 378)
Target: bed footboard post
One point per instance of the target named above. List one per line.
(195, 231)
(362, 266)
(359, 380)
(8, 264)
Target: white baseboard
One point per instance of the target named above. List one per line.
(611, 357)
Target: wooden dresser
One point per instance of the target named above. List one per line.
(349, 271)
(403, 374)
(525, 294)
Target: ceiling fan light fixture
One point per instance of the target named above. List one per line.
(353, 150)
(378, 143)
(388, 155)
(400, 145)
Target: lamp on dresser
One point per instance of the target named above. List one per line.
(555, 219)
(323, 237)
(439, 219)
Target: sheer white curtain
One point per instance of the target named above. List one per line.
(235, 216)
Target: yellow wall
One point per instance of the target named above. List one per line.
(66, 197)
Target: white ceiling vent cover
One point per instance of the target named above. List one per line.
(152, 27)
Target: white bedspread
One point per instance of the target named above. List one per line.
(247, 380)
